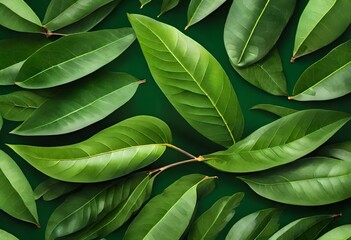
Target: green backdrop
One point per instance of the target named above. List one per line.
(149, 100)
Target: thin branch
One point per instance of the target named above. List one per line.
(161, 169)
(180, 150)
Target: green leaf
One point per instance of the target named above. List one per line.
(93, 209)
(168, 5)
(167, 215)
(339, 150)
(246, 35)
(84, 103)
(318, 25)
(212, 222)
(7, 236)
(18, 16)
(307, 182)
(51, 189)
(16, 198)
(12, 55)
(192, 80)
(116, 151)
(326, 79)
(266, 74)
(72, 57)
(61, 13)
(199, 9)
(339, 233)
(259, 225)
(304, 228)
(280, 142)
(144, 2)
(18, 106)
(275, 109)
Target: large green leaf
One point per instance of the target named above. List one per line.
(304, 228)
(51, 189)
(84, 103)
(318, 25)
(259, 225)
(61, 13)
(167, 215)
(72, 57)
(16, 195)
(80, 218)
(339, 150)
(275, 109)
(19, 105)
(266, 74)
(199, 9)
(5, 235)
(308, 182)
(279, 142)
(192, 80)
(339, 233)
(253, 27)
(18, 16)
(212, 222)
(116, 151)
(13, 52)
(168, 5)
(328, 78)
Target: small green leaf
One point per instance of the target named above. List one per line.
(144, 2)
(326, 79)
(212, 222)
(259, 225)
(51, 189)
(282, 141)
(5, 235)
(275, 109)
(116, 151)
(168, 5)
(339, 233)
(339, 150)
(304, 228)
(167, 215)
(84, 103)
(18, 106)
(72, 57)
(16, 198)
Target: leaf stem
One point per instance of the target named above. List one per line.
(161, 169)
(180, 150)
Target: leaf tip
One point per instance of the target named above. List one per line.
(186, 27)
(38, 225)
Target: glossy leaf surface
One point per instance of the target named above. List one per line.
(308, 182)
(16, 198)
(113, 152)
(318, 25)
(199, 9)
(266, 74)
(72, 57)
(304, 228)
(339, 233)
(339, 150)
(212, 222)
(275, 109)
(84, 103)
(18, 16)
(19, 105)
(51, 189)
(167, 215)
(192, 80)
(258, 225)
(246, 37)
(5, 235)
(12, 55)
(328, 78)
(168, 5)
(279, 142)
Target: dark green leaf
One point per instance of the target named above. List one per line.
(144, 2)
(275, 109)
(282, 141)
(84, 103)
(253, 27)
(326, 79)
(116, 151)
(318, 25)
(339, 233)
(72, 57)
(266, 74)
(16, 198)
(7, 236)
(52, 189)
(212, 222)
(259, 225)
(167, 215)
(192, 80)
(168, 5)
(340, 151)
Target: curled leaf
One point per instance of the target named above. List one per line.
(339, 150)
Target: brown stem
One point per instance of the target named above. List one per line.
(161, 169)
(180, 150)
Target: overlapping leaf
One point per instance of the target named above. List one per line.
(115, 151)
(72, 57)
(279, 142)
(246, 35)
(275, 109)
(339, 233)
(7, 236)
(326, 79)
(192, 80)
(51, 189)
(339, 150)
(84, 103)
(319, 26)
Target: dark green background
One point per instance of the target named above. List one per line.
(150, 100)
